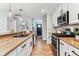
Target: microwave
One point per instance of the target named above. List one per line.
(63, 19)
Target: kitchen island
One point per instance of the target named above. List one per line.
(16, 46)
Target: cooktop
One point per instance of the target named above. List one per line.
(63, 35)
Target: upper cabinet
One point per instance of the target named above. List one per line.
(73, 9)
(3, 17)
(73, 13)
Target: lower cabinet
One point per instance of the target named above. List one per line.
(63, 49)
(73, 51)
(68, 50)
(13, 53)
(29, 46)
(22, 49)
(25, 49)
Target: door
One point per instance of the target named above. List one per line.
(39, 29)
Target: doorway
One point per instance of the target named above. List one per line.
(39, 29)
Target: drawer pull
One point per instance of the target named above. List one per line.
(75, 53)
(65, 53)
(61, 43)
(23, 45)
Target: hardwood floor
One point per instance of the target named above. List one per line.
(42, 49)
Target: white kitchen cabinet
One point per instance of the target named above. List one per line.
(23, 52)
(63, 48)
(13, 53)
(73, 51)
(29, 46)
(55, 16)
(25, 49)
(68, 50)
(21, 49)
(73, 13)
(73, 9)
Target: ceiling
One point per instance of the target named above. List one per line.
(30, 9)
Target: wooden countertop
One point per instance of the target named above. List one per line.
(9, 43)
(71, 40)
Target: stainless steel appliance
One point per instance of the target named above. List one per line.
(55, 43)
(63, 19)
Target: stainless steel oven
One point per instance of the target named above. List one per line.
(55, 42)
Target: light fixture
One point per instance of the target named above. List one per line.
(20, 18)
(42, 10)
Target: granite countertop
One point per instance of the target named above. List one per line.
(9, 43)
(71, 41)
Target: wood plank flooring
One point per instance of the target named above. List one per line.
(42, 49)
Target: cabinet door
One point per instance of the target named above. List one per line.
(23, 52)
(13, 53)
(73, 51)
(63, 48)
(73, 13)
(55, 20)
(29, 46)
(21, 47)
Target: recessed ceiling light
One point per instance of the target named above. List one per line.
(42, 10)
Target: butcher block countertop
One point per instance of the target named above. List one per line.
(9, 43)
(71, 40)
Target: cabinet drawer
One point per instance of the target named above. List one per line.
(13, 53)
(74, 51)
(21, 47)
(63, 43)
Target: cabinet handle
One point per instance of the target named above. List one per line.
(61, 43)
(65, 53)
(75, 53)
(23, 45)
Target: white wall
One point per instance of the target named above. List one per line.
(44, 27)
(49, 27)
